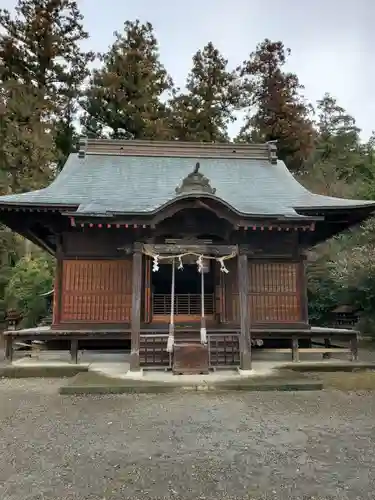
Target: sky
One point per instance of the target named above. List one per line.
(332, 41)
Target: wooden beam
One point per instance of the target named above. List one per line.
(136, 307)
(310, 350)
(205, 249)
(39, 242)
(245, 333)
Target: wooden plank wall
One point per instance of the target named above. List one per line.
(96, 291)
(274, 293)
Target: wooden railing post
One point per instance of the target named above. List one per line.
(245, 334)
(136, 307)
(354, 348)
(295, 349)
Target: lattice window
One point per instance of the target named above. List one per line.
(274, 295)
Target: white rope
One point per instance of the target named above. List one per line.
(203, 331)
(170, 342)
(156, 258)
(155, 264)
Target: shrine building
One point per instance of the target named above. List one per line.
(192, 253)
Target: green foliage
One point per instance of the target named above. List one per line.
(40, 49)
(276, 109)
(29, 280)
(124, 96)
(203, 112)
(27, 152)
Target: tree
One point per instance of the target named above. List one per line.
(338, 140)
(27, 150)
(276, 108)
(40, 47)
(203, 112)
(124, 97)
(30, 280)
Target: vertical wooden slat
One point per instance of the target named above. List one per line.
(275, 293)
(229, 285)
(96, 291)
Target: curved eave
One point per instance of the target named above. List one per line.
(337, 208)
(337, 220)
(184, 197)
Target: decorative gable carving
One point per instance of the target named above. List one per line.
(195, 182)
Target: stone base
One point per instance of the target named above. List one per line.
(245, 373)
(94, 383)
(134, 374)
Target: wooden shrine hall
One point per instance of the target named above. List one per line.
(194, 253)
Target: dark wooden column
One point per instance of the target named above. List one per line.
(354, 348)
(9, 348)
(302, 285)
(136, 307)
(243, 292)
(74, 350)
(58, 291)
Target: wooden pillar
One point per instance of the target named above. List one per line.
(136, 307)
(9, 348)
(302, 285)
(74, 350)
(295, 351)
(354, 348)
(243, 292)
(58, 291)
(327, 344)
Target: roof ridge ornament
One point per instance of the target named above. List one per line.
(272, 151)
(195, 182)
(82, 146)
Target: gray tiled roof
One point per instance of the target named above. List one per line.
(101, 184)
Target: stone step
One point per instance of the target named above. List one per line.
(95, 383)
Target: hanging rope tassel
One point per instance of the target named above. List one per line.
(170, 342)
(223, 269)
(203, 319)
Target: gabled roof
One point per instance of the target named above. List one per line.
(140, 177)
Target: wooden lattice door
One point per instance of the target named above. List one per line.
(229, 312)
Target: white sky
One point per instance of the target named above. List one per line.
(331, 40)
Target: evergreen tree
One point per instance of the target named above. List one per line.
(338, 141)
(124, 97)
(40, 47)
(204, 110)
(276, 108)
(27, 150)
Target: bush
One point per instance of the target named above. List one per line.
(29, 280)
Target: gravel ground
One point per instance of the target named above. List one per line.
(190, 446)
